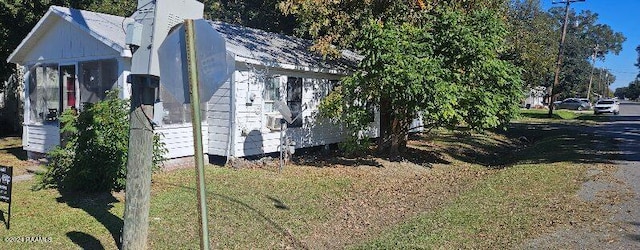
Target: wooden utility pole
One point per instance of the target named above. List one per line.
(139, 162)
(593, 66)
(556, 79)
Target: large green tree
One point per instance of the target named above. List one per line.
(584, 33)
(532, 42)
(260, 14)
(339, 24)
(444, 65)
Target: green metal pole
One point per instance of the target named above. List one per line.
(192, 69)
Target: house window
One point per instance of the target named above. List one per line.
(271, 94)
(68, 87)
(333, 84)
(96, 77)
(294, 100)
(44, 93)
(173, 112)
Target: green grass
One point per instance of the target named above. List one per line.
(499, 213)
(12, 155)
(557, 114)
(478, 191)
(47, 214)
(247, 209)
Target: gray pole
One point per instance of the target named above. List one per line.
(556, 79)
(192, 68)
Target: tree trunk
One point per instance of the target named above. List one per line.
(385, 125)
(393, 129)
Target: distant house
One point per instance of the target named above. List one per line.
(72, 57)
(535, 97)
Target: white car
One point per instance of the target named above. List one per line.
(607, 106)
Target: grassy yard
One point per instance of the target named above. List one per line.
(453, 189)
(11, 154)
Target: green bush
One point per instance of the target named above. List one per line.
(93, 155)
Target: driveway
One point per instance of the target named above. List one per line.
(622, 229)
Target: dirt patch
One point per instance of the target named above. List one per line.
(384, 196)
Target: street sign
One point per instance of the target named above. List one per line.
(6, 181)
(215, 65)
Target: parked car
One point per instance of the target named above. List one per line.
(572, 103)
(585, 100)
(607, 106)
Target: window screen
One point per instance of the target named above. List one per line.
(271, 93)
(44, 93)
(96, 77)
(294, 100)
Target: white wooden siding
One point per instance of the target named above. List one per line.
(218, 120)
(41, 138)
(179, 139)
(252, 137)
(65, 41)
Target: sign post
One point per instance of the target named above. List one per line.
(194, 63)
(6, 175)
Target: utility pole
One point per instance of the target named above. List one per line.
(140, 155)
(593, 66)
(560, 52)
(143, 37)
(605, 90)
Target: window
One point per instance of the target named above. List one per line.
(271, 94)
(173, 112)
(96, 77)
(68, 87)
(44, 93)
(333, 84)
(294, 100)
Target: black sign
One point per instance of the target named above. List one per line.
(6, 175)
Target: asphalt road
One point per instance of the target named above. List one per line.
(622, 229)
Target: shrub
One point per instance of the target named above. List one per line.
(93, 155)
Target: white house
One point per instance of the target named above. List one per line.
(74, 56)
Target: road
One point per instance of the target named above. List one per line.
(622, 229)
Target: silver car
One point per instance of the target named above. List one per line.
(572, 103)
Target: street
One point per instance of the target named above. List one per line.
(622, 229)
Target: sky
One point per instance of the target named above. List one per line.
(623, 16)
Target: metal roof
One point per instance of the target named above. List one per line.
(270, 49)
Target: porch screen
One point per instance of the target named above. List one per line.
(294, 100)
(44, 93)
(96, 77)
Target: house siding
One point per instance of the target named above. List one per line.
(55, 45)
(252, 137)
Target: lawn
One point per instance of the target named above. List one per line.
(454, 189)
(12, 155)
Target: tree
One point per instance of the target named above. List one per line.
(338, 25)
(446, 66)
(532, 42)
(583, 35)
(259, 14)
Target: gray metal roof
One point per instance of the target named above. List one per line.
(273, 48)
(267, 48)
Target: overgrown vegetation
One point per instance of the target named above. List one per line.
(93, 156)
(444, 66)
